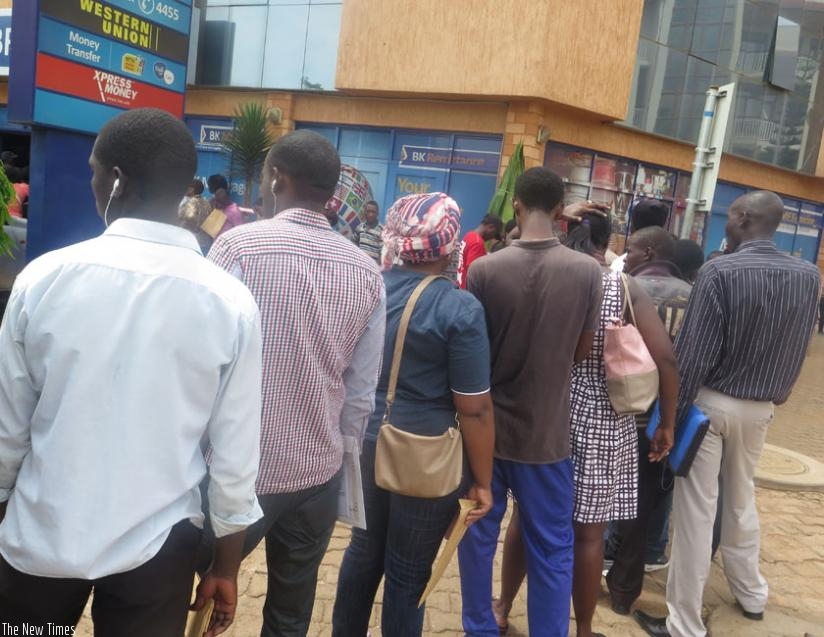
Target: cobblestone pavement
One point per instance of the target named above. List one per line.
(792, 556)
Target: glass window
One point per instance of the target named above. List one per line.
(793, 132)
(365, 143)
(481, 144)
(329, 132)
(757, 26)
(651, 19)
(677, 26)
(406, 144)
(231, 46)
(321, 47)
(571, 165)
(285, 45)
(784, 54)
(807, 69)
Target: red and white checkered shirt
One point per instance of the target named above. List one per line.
(322, 306)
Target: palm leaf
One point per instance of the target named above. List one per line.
(501, 203)
(248, 143)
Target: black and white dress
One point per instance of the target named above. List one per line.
(604, 444)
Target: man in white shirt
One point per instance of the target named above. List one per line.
(118, 356)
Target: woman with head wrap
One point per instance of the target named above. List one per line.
(444, 371)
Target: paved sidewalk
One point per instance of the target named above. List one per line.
(792, 556)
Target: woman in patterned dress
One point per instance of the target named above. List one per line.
(605, 444)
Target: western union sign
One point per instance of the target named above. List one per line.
(109, 20)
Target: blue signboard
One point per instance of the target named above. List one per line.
(5, 40)
(446, 158)
(78, 63)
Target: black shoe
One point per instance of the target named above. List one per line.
(755, 617)
(654, 626)
(619, 608)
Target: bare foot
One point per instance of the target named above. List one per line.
(501, 612)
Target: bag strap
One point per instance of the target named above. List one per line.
(400, 338)
(627, 298)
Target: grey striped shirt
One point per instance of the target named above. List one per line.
(747, 325)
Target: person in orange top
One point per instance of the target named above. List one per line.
(474, 244)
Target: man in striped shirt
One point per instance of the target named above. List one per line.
(745, 333)
(323, 314)
(368, 236)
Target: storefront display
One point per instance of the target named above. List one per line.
(614, 181)
(398, 162)
(620, 183)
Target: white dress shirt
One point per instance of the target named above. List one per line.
(117, 356)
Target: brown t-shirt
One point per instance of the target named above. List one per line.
(538, 297)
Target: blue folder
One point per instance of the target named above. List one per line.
(689, 434)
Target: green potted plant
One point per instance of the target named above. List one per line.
(248, 144)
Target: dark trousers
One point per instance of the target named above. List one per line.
(626, 577)
(400, 544)
(297, 527)
(152, 599)
(658, 531)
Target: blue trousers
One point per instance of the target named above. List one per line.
(545, 501)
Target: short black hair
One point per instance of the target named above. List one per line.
(197, 187)
(372, 202)
(154, 150)
(648, 213)
(592, 233)
(310, 160)
(658, 239)
(216, 182)
(689, 257)
(493, 220)
(539, 188)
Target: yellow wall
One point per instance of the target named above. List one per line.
(5, 4)
(476, 117)
(578, 52)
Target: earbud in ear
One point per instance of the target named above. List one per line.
(274, 185)
(115, 186)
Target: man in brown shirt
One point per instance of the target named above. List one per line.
(542, 304)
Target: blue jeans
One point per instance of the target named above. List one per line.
(400, 544)
(545, 501)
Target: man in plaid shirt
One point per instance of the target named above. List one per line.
(323, 314)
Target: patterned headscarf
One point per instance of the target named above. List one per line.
(420, 229)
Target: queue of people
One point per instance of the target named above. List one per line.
(135, 451)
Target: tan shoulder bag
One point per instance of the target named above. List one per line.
(412, 464)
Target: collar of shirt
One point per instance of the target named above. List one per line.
(657, 268)
(305, 218)
(153, 232)
(757, 245)
(537, 244)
